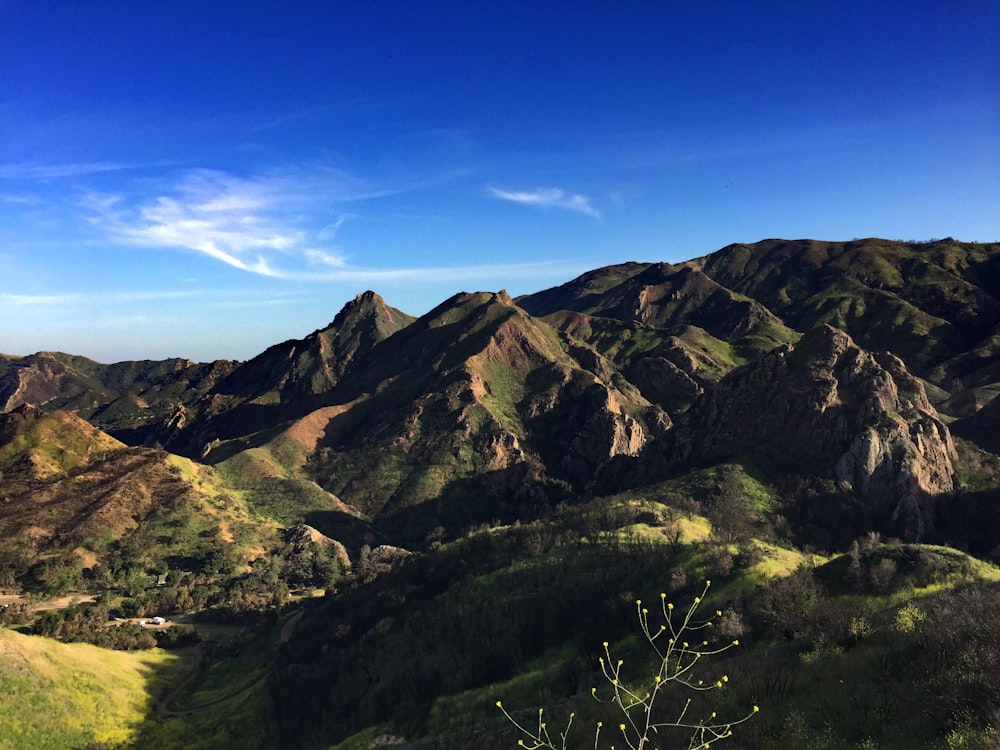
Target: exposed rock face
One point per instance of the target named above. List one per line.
(606, 433)
(831, 407)
(663, 382)
(301, 536)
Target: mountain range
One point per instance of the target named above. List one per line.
(528, 461)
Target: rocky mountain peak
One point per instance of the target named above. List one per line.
(826, 405)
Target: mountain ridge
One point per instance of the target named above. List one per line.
(478, 490)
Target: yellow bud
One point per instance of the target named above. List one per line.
(725, 678)
(718, 613)
(621, 727)
(638, 602)
(670, 606)
(697, 600)
(708, 583)
(499, 704)
(662, 595)
(736, 642)
(645, 611)
(600, 724)
(756, 709)
(520, 743)
(605, 644)
(718, 683)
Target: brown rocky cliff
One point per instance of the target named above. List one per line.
(828, 406)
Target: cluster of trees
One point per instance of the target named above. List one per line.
(91, 624)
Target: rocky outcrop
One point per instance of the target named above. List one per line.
(301, 536)
(828, 407)
(663, 382)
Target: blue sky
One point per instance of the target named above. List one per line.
(204, 179)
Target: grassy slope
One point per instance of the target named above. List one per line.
(824, 687)
(56, 695)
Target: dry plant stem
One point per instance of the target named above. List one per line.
(677, 659)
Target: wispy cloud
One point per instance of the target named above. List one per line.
(39, 171)
(548, 198)
(261, 225)
(247, 223)
(68, 298)
(19, 200)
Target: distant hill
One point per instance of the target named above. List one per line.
(121, 396)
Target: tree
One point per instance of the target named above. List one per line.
(678, 658)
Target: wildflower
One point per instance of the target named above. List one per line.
(718, 613)
(756, 709)
(499, 704)
(736, 642)
(725, 678)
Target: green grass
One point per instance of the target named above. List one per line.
(534, 685)
(56, 695)
(221, 680)
(244, 723)
(506, 391)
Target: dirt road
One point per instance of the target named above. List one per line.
(163, 712)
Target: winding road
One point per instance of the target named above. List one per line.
(165, 713)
